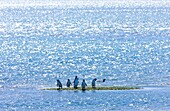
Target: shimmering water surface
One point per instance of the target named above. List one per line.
(150, 99)
(127, 46)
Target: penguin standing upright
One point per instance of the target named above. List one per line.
(93, 83)
(68, 83)
(83, 85)
(59, 84)
(76, 81)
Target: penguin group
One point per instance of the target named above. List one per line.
(76, 82)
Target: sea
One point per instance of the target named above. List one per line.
(126, 45)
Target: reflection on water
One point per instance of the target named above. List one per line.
(32, 99)
(127, 46)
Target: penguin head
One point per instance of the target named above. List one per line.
(95, 79)
(104, 80)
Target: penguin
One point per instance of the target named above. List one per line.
(83, 85)
(76, 81)
(68, 83)
(93, 83)
(59, 84)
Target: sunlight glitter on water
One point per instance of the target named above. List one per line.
(127, 46)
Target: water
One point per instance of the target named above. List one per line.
(150, 99)
(127, 46)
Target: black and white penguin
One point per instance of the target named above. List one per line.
(94, 83)
(76, 81)
(59, 84)
(68, 83)
(83, 85)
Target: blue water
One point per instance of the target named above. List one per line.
(151, 99)
(127, 46)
